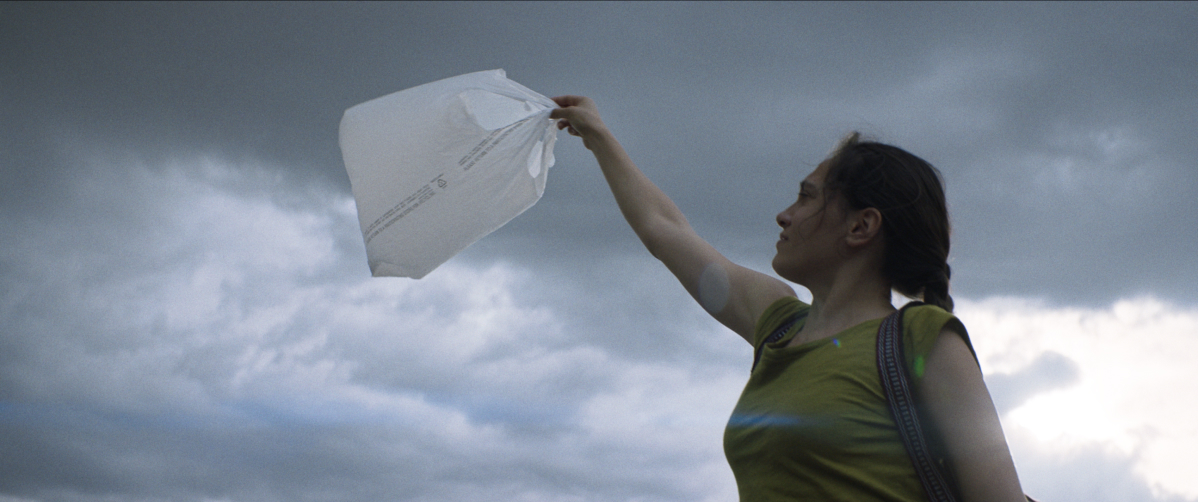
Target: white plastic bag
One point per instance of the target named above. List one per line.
(439, 166)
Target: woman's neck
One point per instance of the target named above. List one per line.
(846, 304)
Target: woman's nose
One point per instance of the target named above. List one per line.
(783, 219)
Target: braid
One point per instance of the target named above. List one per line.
(936, 291)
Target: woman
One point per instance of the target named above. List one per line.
(812, 422)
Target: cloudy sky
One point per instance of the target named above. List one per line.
(186, 312)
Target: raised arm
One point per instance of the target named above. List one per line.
(736, 296)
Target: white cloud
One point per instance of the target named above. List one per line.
(1134, 395)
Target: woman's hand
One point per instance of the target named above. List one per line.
(579, 116)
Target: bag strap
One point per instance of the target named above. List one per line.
(895, 381)
(775, 336)
(897, 385)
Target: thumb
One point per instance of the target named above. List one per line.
(559, 113)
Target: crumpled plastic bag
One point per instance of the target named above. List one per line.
(437, 167)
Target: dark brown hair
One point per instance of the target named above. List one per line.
(909, 193)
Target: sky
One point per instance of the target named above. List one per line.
(187, 314)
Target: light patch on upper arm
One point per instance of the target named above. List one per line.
(714, 288)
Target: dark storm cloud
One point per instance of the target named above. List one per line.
(724, 115)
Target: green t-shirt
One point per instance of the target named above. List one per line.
(812, 422)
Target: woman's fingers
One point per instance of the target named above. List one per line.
(563, 115)
(578, 115)
(560, 113)
(565, 124)
(565, 112)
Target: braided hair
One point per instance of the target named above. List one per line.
(909, 193)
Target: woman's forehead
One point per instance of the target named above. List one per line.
(816, 177)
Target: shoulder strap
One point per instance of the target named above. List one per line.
(774, 337)
(892, 369)
(895, 381)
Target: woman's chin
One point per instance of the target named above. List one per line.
(788, 270)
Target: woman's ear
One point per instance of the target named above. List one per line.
(864, 227)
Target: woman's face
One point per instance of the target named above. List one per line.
(807, 245)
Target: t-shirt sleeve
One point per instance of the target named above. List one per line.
(921, 325)
(777, 313)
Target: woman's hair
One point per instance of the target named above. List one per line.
(909, 193)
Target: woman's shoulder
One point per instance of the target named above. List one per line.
(923, 323)
(779, 312)
(927, 317)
